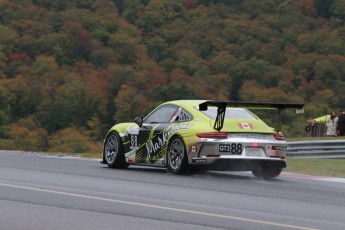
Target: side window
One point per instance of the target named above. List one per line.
(161, 115)
(181, 115)
(184, 116)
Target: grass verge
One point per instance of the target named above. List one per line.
(92, 155)
(319, 167)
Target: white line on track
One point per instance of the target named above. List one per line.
(156, 206)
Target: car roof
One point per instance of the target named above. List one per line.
(188, 103)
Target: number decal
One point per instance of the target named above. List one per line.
(239, 149)
(134, 140)
(235, 149)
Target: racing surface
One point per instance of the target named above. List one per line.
(43, 192)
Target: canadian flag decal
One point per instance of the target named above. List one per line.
(245, 125)
(193, 149)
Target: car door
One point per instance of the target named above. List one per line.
(151, 137)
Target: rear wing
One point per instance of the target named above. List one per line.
(221, 109)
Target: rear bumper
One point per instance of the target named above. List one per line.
(221, 164)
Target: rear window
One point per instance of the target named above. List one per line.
(231, 113)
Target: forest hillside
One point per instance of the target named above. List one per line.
(70, 69)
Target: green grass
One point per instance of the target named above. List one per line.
(92, 155)
(318, 167)
(313, 138)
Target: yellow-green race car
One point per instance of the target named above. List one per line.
(213, 135)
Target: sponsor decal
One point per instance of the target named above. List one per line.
(157, 142)
(224, 148)
(275, 153)
(193, 149)
(278, 148)
(198, 118)
(197, 139)
(247, 135)
(131, 159)
(244, 125)
(199, 160)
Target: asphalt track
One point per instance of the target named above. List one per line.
(57, 192)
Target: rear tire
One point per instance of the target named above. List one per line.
(266, 173)
(113, 152)
(177, 158)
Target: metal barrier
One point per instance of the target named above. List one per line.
(317, 149)
(316, 130)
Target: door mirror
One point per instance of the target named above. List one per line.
(139, 121)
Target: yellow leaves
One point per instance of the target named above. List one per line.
(72, 140)
(25, 135)
(8, 38)
(44, 65)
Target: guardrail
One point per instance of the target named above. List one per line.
(317, 149)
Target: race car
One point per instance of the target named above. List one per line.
(183, 135)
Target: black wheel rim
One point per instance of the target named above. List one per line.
(111, 148)
(176, 154)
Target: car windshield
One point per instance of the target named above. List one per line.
(231, 113)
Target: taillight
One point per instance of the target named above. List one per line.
(279, 137)
(215, 135)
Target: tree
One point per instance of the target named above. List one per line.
(338, 9)
(8, 39)
(25, 135)
(6, 99)
(189, 62)
(72, 140)
(323, 8)
(125, 47)
(17, 64)
(71, 105)
(130, 103)
(152, 17)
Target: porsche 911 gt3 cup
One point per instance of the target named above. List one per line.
(186, 134)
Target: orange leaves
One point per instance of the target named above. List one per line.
(72, 140)
(22, 57)
(190, 4)
(26, 135)
(96, 80)
(306, 7)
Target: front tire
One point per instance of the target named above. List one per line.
(177, 158)
(113, 152)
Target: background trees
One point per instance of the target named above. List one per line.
(70, 69)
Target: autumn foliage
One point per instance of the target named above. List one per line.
(70, 69)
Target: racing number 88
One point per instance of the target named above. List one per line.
(236, 148)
